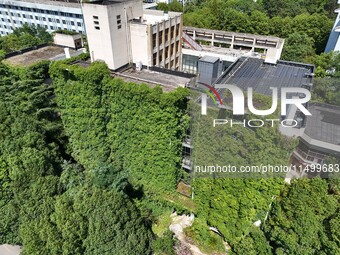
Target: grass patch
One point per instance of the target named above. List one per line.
(162, 223)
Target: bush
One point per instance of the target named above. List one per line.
(165, 245)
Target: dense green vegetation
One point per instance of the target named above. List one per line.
(75, 180)
(103, 117)
(24, 37)
(232, 202)
(89, 164)
(61, 197)
(308, 211)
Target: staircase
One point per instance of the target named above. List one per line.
(191, 42)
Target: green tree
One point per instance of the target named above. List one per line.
(298, 47)
(301, 220)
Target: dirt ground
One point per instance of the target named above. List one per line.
(35, 56)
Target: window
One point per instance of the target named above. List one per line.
(72, 23)
(95, 17)
(79, 24)
(64, 22)
(58, 21)
(49, 19)
(96, 22)
(44, 19)
(119, 21)
(24, 16)
(97, 28)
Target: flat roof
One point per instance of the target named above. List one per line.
(253, 72)
(209, 59)
(169, 81)
(50, 52)
(324, 123)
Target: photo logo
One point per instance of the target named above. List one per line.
(301, 97)
(291, 98)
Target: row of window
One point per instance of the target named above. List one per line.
(166, 34)
(46, 26)
(66, 14)
(161, 57)
(51, 28)
(72, 23)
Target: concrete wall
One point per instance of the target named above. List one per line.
(67, 40)
(109, 36)
(139, 44)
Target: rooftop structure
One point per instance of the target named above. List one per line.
(128, 34)
(319, 139)
(272, 46)
(323, 128)
(255, 73)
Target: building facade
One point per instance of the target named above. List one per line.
(161, 36)
(121, 33)
(320, 138)
(52, 15)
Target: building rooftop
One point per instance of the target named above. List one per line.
(324, 123)
(253, 72)
(209, 59)
(168, 80)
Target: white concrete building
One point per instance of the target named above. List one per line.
(121, 33)
(107, 29)
(52, 15)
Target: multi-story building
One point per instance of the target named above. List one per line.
(320, 138)
(121, 33)
(52, 15)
